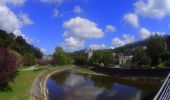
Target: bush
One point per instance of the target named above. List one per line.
(8, 65)
(29, 59)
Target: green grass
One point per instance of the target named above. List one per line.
(88, 71)
(20, 86)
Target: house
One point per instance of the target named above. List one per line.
(124, 59)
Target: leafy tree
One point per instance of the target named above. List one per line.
(29, 59)
(102, 56)
(8, 65)
(79, 57)
(60, 57)
(155, 49)
(140, 58)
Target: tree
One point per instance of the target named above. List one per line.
(79, 57)
(60, 57)
(29, 59)
(8, 65)
(156, 47)
(102, 57)
(140, 58)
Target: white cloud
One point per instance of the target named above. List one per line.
(111, 47)
(153, 8)
(78, 9)
(13, 2)
(82, 28)
(53, 1)
(144, 33)
(25, 20)
(72, 44)
(56, 13)
(43, 50)
(110, 28)
(97, 47)
(120, 42)
(117, 42)
(128, 38)
(131, 19)
(18, 32)
(8, 20)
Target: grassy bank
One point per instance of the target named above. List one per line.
(88, 71)
(19, 89)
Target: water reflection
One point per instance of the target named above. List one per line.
(74, 86)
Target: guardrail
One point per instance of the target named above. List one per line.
(164, 91)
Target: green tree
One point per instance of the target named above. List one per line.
(29, 59)
(155, 49)
(102, 57)
(140, 58)
(60, 57)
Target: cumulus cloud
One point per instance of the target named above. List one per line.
(8, 20)
(25, 20)
(97, 47)
(82, 28)
(43, 50)
(144, 33)
(153, 8)
(117, 42)
(53, 1)
(131, 19)
(110, 28)
(18, 32)
(13, 2)
(78, 9)
(72, 44)
(126, 39)
(56, 13)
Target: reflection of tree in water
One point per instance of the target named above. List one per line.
(59, 78)
(102, 81)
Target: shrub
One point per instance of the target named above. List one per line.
(8, 65)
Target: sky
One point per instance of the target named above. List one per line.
(80, 24)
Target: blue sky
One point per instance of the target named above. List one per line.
(79, 24)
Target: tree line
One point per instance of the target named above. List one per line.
(151, 52)
(15, 51)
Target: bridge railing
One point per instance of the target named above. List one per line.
(164, 91)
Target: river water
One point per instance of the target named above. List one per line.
(70, 85)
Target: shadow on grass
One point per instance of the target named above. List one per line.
(5, 87)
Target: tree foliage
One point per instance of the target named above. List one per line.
(140, 58)
(156, 49)
(18, 44)
(8, 65)
(60, 57)
(102, 57)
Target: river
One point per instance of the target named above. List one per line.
(71, 85)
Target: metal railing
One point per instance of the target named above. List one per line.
(164, 91)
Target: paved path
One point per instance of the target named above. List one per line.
(33, 68)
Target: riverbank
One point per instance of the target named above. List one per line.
(38, 89)
(146, 72)
(88, 71)
(19, 88)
